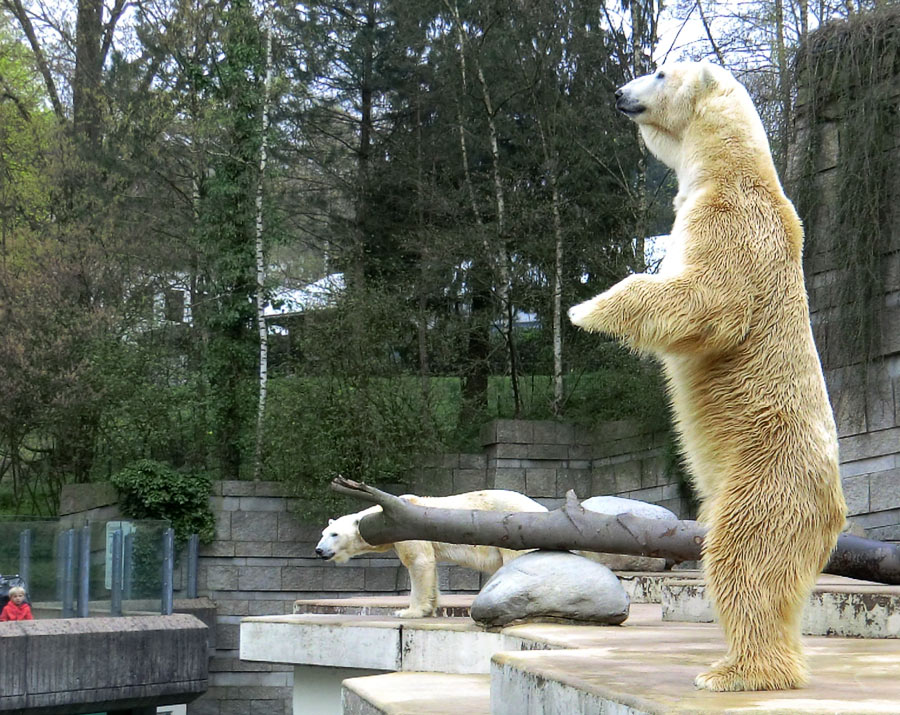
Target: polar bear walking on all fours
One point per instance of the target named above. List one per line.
(728, 316)
(341, 541)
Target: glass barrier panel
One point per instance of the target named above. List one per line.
(102, 568)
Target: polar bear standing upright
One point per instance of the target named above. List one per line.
(728, 316)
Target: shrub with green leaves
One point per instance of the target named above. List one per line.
(152, 490)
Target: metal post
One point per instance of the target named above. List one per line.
(84, 572)
(168, 571)
(60, 564)
(25, 558)
(68, 589)
(127, 560)
(193, 558)
(115, 594)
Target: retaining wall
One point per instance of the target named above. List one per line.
(865, 398)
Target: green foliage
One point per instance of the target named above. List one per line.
(369, 178)
(151, 490)
(146, 558)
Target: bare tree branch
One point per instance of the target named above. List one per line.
(570, 527)
(109, 28)
(712, 42)
(17, 9)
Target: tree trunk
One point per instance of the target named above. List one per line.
(86, 104)
(261, 265)
(576, 528)
(357, 269)
(550, 164)
(784, 87)
(18, 9)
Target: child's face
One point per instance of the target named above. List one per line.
(18, 598)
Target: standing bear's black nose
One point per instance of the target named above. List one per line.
(618, 92)
(318, 552)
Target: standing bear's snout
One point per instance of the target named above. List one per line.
(627, 103)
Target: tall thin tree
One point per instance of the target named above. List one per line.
(260, 258)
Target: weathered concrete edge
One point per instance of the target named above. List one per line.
(75, 665)
(511, 696)
(863, 611)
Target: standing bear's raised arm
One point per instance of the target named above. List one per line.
(686, 313)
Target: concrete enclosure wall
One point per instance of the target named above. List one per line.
(68, 666)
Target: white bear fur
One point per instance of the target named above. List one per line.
(341, 541)
(728, 316)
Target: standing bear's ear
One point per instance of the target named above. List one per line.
(708, 75)
(330, 522)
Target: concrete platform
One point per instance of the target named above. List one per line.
(83, 665)
(417, 694)
(443, 645)
(646, 665)
(649, 668)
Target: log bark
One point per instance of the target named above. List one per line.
(572, 527)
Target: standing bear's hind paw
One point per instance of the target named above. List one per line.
(733, 677)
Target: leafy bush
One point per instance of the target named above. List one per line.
(370, 430)
(151, 490)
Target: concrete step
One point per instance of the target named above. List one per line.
(837, 607)
(646, 665)
(411, 693)
(651, 669)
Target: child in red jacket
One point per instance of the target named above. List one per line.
(16, 609)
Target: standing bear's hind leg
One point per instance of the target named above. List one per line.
(759, 593)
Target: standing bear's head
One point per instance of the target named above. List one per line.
(684, 105)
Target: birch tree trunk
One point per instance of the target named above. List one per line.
(550, 164)
(572, 527)
(260, 262)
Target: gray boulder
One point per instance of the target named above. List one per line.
(614, 506)
(551, 586)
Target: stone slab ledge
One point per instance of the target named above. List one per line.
(651, 670)
(417, 694)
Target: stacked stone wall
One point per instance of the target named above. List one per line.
(865, 398)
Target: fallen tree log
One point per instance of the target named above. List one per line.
(572, 527)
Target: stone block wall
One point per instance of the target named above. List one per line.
(865, 398)
(546, 459)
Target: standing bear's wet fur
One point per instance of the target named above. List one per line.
(728, 316)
